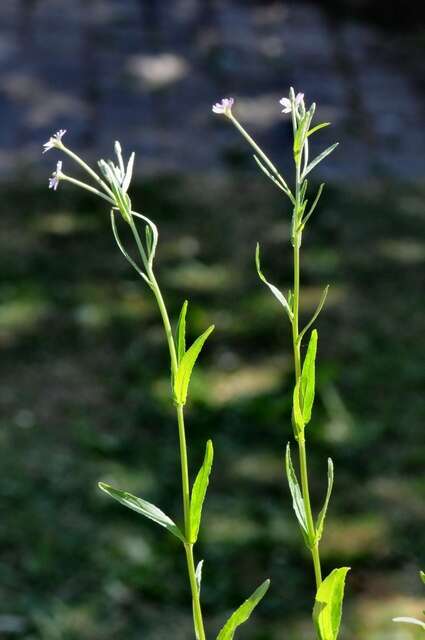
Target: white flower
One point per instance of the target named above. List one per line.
(54, 140)
(287, 104)
(224, 107)
(56, 176)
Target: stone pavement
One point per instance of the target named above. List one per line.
(147, 72)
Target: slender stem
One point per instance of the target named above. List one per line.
(83, 185)
(86, 167)
(297, 360)
(184, 469)
(262, 155)
(197, 612)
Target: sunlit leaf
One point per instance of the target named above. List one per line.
(422, 576)
(278, 295)
(319, 158)
(198, 574)
(299, 137)
(318, 127)
(308, 378)
(181, 332)
(327, 609)
(143, 507)
(322, 515)
(199, 491)
(185, 368)
(242, 614)
(294, 487)
(297, 415)
(198, 578)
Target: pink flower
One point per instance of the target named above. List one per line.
(287, 104)
(54, 140)
(56, 176)
(224, 107)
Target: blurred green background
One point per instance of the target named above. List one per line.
(84, 387)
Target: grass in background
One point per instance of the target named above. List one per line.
(79, 340)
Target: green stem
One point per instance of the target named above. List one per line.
(86, 168)
(184, 469)
(262, 155)
(87, 187)
(197, 612)
(297, 360)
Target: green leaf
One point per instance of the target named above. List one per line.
(198, 578)
(184, 371)
(199, 491)
(308, 378)
(198, 574)
(297, 498)
(181, 333)
(275, 291)
(299, 138)
(422, 576)
(319, 158)
(410, 621)
(318, 127)
(327, 609)
(145, 508)
(322, 515)
(297, 416)
(242, 614)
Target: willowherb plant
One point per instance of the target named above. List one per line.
(113, 185)
(329, 592)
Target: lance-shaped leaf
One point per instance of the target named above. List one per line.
(199, 491)
(242, 614)
(297, 498)
(181, 333)
(143, 507)
(275, 291)
(319, 158)
(322, 515)
(315, 314)
(327, 609)
(185, 368)
(422, 576)
(297, 415)
(301, 133)
(128, 173)
(198, 574)
(308, 378)
(306, 218)
(318, 127)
